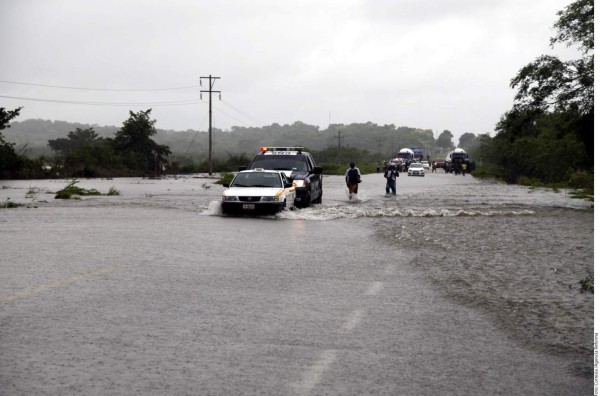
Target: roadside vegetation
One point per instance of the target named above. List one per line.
(547, 138)
(8, 204)
(72, 191)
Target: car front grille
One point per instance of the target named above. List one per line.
(249, 199)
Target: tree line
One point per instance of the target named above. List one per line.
(138, 148)
(546, 137)
(131, 152)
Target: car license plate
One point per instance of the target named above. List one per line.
(248, 206)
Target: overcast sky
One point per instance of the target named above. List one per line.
(419, 63)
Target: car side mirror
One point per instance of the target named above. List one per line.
(317, 170)
(226, 185)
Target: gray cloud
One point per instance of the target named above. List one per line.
(426, 64)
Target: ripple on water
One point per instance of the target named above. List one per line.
(521, 267)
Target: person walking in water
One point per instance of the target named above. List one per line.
(390, 174)
(352, 179)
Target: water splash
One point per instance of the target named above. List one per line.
(213, 209)
(332, 212)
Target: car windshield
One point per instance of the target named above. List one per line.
(279, 162)
(257, 179)
(416, 165)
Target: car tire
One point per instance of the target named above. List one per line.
(304, 202)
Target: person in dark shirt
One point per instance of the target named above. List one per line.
(352, 179)
(390, 174)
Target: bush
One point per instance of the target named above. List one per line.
(9, 204)
(71, 191)
(226, 178)
(581, 179)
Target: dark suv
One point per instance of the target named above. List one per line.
(299, 166)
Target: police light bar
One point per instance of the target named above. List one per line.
(299, 149)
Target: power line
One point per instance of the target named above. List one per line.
(242, 113)
(254, 120)
(195, 135)
(172, 103)
(233, 118)
(97, 89)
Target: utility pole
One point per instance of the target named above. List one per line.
(339, 138)
(211, 83)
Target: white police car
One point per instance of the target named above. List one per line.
(258, 191)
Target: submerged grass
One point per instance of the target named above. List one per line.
(587, 284)
(580, 183)
(71, 191)
(8, 204)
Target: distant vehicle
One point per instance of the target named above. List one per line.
(406, 154)
(418, 153)
(299, 166)
(425, 164)
(396, 162)
(416, 169)
(258, 191)
(458, 157)
(439, 163)
(459, 154)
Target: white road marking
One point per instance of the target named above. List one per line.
(61, 282)
(354, 320)
(375, 288)
(313, 376)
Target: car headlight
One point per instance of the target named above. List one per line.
(269, 199)
(229, 198)
(298, 183)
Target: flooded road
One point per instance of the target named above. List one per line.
(454, 286)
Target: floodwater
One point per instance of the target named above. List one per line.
(454, 285)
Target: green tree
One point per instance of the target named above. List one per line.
(9, 160)
(551, 84)
(467, 140)
(6, 117)
(548, 134)
(445, 140)
(138, 151)
(74, 140)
